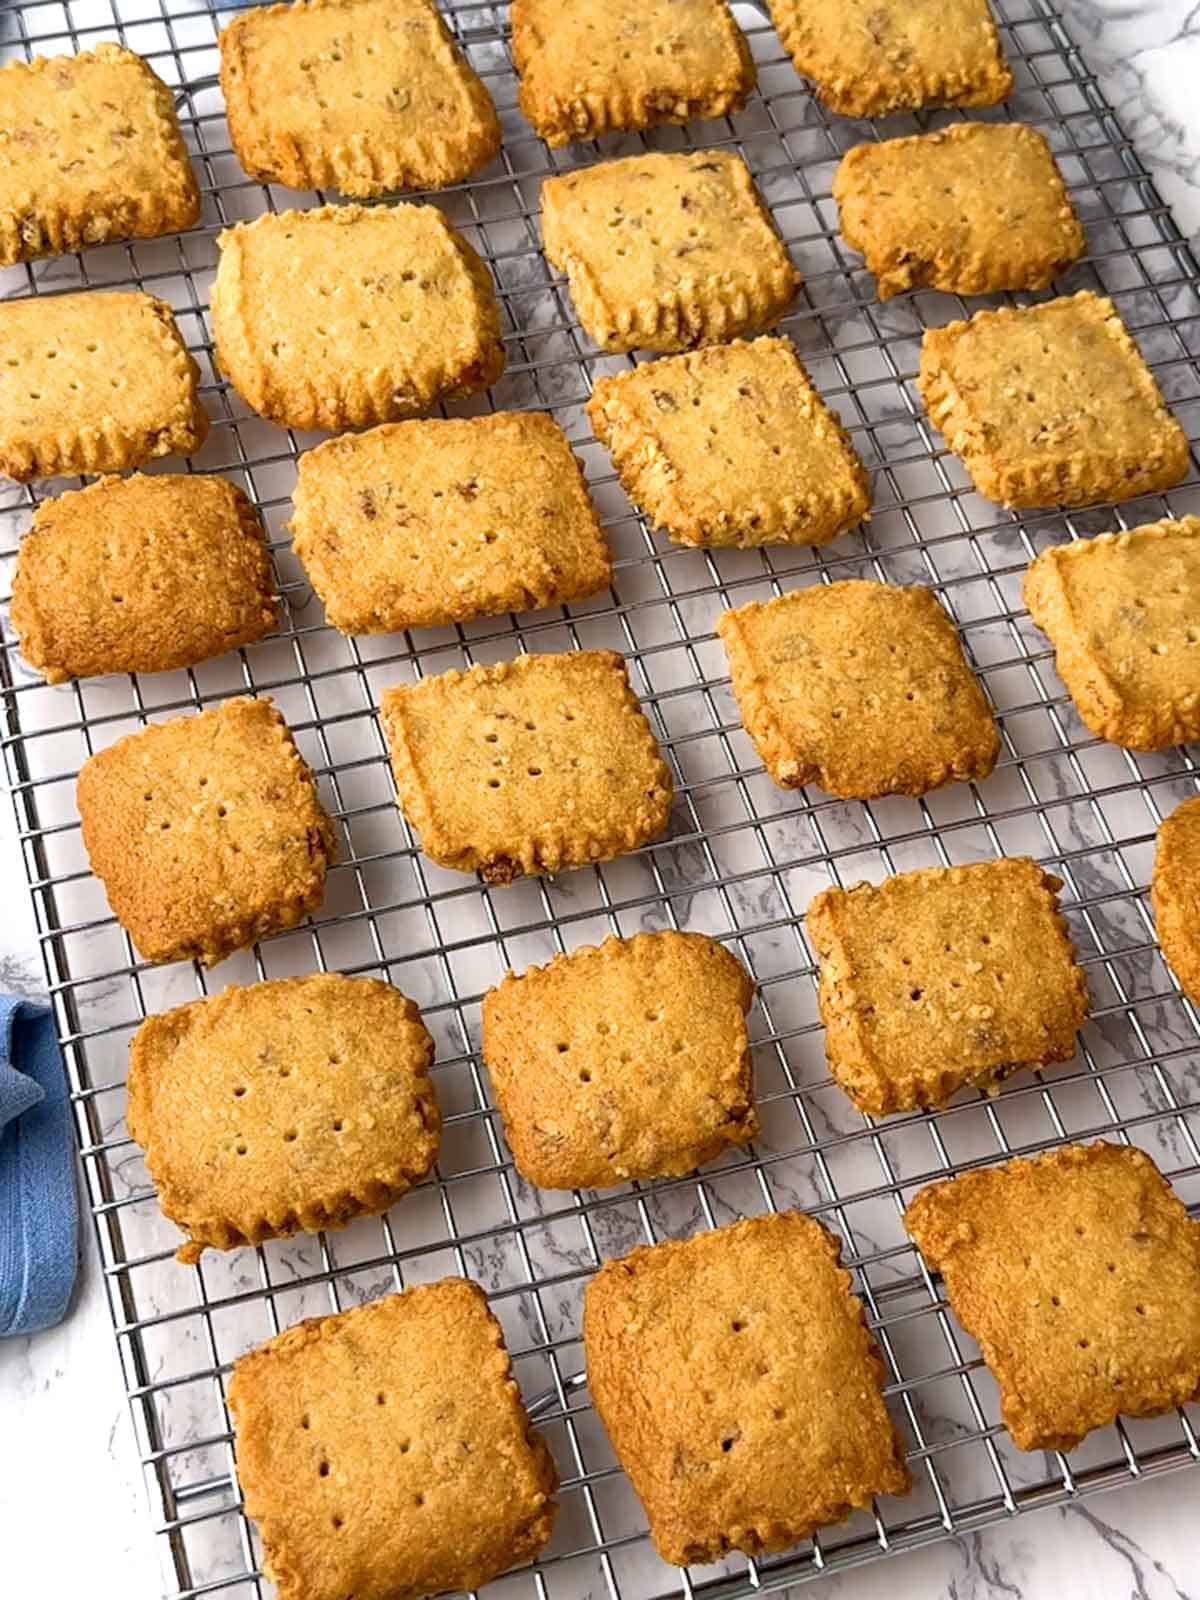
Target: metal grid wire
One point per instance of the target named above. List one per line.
(741, 859)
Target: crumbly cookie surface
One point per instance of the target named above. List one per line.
(1175, 894)
(1051, 404)
(416, 524)
(666, 252)
(943, 977)
(740, 1387)
(860, 687)
(528, 766)
(1078, 1272)
(206, 831)
(385, 1451)
(363, 96)
(731, 445)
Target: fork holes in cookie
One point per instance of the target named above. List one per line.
(241, 1149)
(338, 1522)
(239, 1091)
(585, 1076)
(338, 1125)
(493, 783)
(405, 1446)
(563, 1048)
(290, 1136)
(534, 772)
(323, 1469)
(381, 1399)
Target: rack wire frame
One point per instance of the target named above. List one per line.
(740, 860)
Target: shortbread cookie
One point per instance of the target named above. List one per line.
(1123, 614)
(358, 95)
(740, 1387)
(871, 57)
(94, 383)
(591, 66)
(417, 524)
(1078, 1272)
(297, 1104)
(667, 252)
(1051, 404)
(90, 151)
(625, 1060)
(529, 766)
(1175, 894)
(943, 977)
(385, 1451)
(859, 687)
(206, 831)
(731, 446)
(973, 208)
(347, 315)
(142, 574)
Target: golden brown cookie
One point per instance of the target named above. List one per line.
(358, 95)
(417, 524)
(665, 252)
(740, 1387)
(385, 1452)
(1123, 614)
(624, 1060)
(973, 208)
(731, 446)
(1079, 1274)
(347, 315)
(859, 687)
(530, 766)
(295, 1104)
(206, 831)
(94, 383)
(141, 574)
(1051, 404)
(943, 977)
(591, 66)
(1175, 894)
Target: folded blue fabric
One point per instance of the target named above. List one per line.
(39, 1209)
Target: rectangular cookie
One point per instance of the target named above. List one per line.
(971, 209)
(1078, 1272)
(530, 766)
(358, 95)
(347, 315)
(591, 66)
(94, 383)
(385, 1451)
(1051, 404)
(1123, 614)
(417, 524)
(731, 446)
(1175, 894)
(740, 1387)
(296, 1104)
(860, 687)
(141, 574)
(944, 977)
(206, 831)
(666, 252)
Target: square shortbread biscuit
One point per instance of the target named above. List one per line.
(871, 57)
(859, 687)
(1123, 614)
(1175, 894)
(385, 1451)
(665, 252)
(1079, 1274)
(296, 1104)
(740, 1387)
(357, 95)
(591, 66)
(624, 1060)
(417, 524)
(731, 445)
(206, 831)
(943, 977)
(1051, 404)
(94, 383)
(346, 315)
(531, 765)
(973, 208)
(90, 150)
(141, 574)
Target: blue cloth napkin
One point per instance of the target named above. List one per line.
(39, 1211)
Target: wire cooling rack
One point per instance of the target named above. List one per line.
(740, 862)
